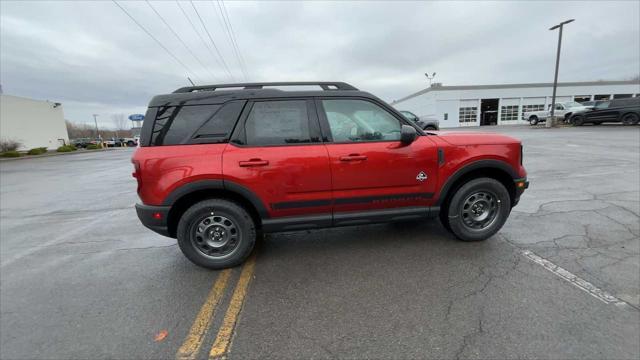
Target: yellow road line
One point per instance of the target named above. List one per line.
(221, 344)
(191, 345)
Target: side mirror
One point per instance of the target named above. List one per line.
(408, 134)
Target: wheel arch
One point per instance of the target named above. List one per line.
(495, 169)
(183, 197)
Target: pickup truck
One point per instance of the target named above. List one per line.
(565, 109)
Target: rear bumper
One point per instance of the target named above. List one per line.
(154, 218)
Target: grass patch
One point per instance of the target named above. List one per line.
(93, 147)
(11, 154)
(66, 148)
(37, 151)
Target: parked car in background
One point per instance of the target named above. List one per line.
(565, 109)
(81, 142)
(425, 124)
(626, 111)
(128, 142)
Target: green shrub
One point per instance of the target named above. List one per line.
(10, 154)
(66, 148)
(37, 151)
(93, 147)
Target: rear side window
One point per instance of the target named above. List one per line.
(278, 123)
(175, 125)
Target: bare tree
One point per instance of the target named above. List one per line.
(120, 122)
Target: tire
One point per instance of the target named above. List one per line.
(578, 120)
(131, 144)
(432, 128)
(533, 121)
(629, 119)
(231, 244)
(485, 193)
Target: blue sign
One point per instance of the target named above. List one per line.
(136, 117)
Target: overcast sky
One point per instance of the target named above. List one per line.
(93, 58)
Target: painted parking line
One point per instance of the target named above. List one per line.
(574, 280)
(192, 343)
(223, 339)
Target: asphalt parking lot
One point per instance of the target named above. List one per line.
(81, 278)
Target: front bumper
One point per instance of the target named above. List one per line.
(154, 218)
(521, 186)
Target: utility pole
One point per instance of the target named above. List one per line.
(95, 119)
(552, 120)
(430, 77)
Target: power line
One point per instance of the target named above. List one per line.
(193, 26)
(224, 63)
(232, 37)
(235, 38)
(154, 38)
(180, 39)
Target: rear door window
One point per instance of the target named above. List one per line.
(281, 122)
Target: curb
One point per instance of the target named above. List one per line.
(24, 157)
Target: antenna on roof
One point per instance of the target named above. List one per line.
(192, 84)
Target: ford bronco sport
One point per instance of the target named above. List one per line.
(219, 163)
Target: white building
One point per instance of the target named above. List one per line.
(474, 105)
(34, 123)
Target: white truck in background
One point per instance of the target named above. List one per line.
(564, 109)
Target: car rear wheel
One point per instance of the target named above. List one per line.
(629, 119)
(533, 120)
(578, 120)
(432, 128)
(216, 234)
(478, 209)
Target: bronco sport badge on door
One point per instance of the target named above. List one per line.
(421, 176)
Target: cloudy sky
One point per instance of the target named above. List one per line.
(93, 58)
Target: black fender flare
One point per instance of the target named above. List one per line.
(480, 164)
(226, 185)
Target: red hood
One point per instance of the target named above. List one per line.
(475, 138)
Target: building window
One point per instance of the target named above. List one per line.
(446, 116)
(509, 113)
(622, 96)
(581, 98)
(601, 97)
(467, 114)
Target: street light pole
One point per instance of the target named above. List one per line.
(95, 119)
(551, 121)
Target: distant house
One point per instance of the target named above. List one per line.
(34, 123)
(504, 104)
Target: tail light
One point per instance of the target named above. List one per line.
(137, 173)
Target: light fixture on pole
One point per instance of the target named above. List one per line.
(430, 77)
(551, 121)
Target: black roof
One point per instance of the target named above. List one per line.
(221, 93)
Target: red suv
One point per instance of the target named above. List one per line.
(218, 163)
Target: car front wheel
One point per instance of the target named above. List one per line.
(533, 120)
(478, 209)
(216, 234)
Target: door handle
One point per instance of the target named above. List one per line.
(353, 157)
(253, 162)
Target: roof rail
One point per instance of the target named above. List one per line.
(325, 85)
